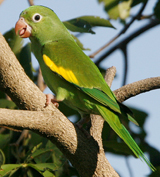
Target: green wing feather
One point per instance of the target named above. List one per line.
(79, 70)
(102, 98)
(83, 74)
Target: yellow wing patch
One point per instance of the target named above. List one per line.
(66, 74)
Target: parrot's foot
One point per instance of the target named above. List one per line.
(51, 98)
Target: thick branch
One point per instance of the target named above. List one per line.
(136, 88)
(81, 151)
(16, 83)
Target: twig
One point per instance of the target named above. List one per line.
(103, 47)
(121, 32)
(40, 81)
(110, 74)
(1, 1)
(23, 135)
(128, 39)
(31, 2)
(125, 53)
(146, 16)
(128, 166)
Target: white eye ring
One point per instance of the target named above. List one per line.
(37, 17)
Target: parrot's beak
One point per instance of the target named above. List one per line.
(22, 28)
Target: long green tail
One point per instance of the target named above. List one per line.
(114, 122)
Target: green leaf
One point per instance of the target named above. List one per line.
(157, 10)
(42, 155)
(48, 174)
(44, 166)
(15, 172)
(117, 8)
(78, 25)
(29, 154)
(124, 9)
(155, 173)
(14, 41)
(85, 24)
(7, 104)
(25, 60)
(2, 158)
(139, 115)
(154, 154)
(116, 147)
(4, 139)
(97, 21)
(2, 95)
(33, 172)
(7, 169)
(111, 7)
(36, 139)
(23, 54)
(67, 111)
(57, 156)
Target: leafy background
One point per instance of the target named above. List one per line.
(143, 62)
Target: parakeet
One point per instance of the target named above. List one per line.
(70, 74)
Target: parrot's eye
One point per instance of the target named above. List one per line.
(36, 17)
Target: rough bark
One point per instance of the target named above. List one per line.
(136, 88)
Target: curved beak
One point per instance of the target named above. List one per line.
(22, 28)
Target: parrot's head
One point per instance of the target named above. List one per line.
(41, 23)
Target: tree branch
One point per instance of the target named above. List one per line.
(48, 122)
(40, 82)
(31, 3)
(137, 88)
(137, 16)
(110, 74)
(125, 41)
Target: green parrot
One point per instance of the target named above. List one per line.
(70, 74)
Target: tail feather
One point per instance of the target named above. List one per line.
(114, 122)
